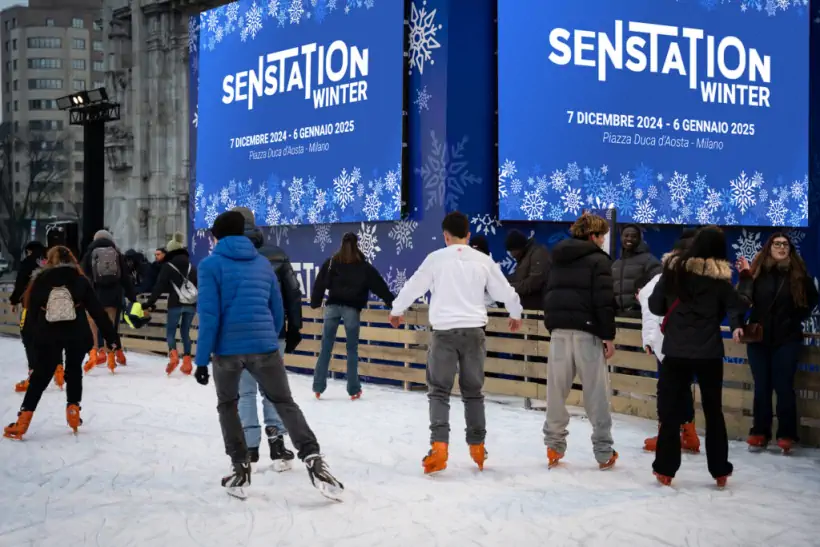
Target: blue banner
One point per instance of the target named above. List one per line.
(299, 114)
(671, 111)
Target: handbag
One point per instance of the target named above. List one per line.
(668, 313)
(753, 332)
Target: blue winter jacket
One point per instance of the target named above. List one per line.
(239, 304)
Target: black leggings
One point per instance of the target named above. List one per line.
(30, 355)
(46, 360)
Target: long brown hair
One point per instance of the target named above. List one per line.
(349, 252)
(56, 256)
(798, 273)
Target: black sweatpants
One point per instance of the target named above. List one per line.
(46, 359)
(268, 369)
(674, 390)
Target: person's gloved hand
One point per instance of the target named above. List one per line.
(292, 339)
(202, 375)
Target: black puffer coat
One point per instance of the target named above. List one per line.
(110, 296)
(168, 276)
(696, 306)
(579, 290)
(530, 277)
(781, 318)
(28, 266)
(626, 272)
(349, 285)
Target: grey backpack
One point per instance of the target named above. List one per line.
(105, 266)
(60, 306)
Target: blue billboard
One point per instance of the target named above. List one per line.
(671, 111)
(299, 113)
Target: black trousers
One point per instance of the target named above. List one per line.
(46, 359)
(674, 390)
(268, 369)
(30, 356)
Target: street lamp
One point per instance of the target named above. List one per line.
(92, 110)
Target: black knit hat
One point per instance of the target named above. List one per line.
(229, 223)
(515, 241)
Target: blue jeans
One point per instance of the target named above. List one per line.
(333, 316)
(249, 413)
(773, 369)
(185, 314)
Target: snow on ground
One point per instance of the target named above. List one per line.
(145, 469)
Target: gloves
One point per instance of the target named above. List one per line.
(292, 339)
(202, 375)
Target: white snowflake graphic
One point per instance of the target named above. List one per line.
(402, 234)
(445, 174)
(516, 186)
(322, 238)
(273, 217)
(644, 212)
(506, 170)
(297, 192)
(372, 206)
(743, 192)
(605, 169)
(360, 190)
(533, 205)
(679, 186)
(369, 3)
(573, 171)
(747, 245)
(423, 99)
(796, 238)
(343, 190)
(638, 193)
(232, 12)
(212, 20)
(395, 282)
(195, 121)
(777, 212)
(572, 200)
(558, 180)
(799, 189)
(296, 11)
(486, 224)
(193, 33)
(331, 5)
(219, 34)
(253, 21)
(730, 219)
(273, 9)
(423, 40)
(704, 215)
(713, 200)
(652, 192)
(368, 241)
(391, 180)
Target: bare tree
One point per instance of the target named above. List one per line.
(39, 160)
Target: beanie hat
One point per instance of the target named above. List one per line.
(515, 241)
(103, 234)
(229, 223)
(247, 214)
(480, 243)
(176, 243)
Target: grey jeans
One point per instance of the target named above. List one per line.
(574, 351)
(268, 369)
(451, 351)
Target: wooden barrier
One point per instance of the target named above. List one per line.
(516, 363)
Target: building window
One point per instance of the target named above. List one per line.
(14, 22)
(42, 104)
(8, 87)
(14, 64)
(45, 43)
(98, 45)
(8, 107)
(45, 83)
(78, 85)
(98, 25)
(7, 25)
(78, 43)
(79, 146)
(14, 85)
(77, 22)
(99, 66)
(98, 84)
(16, 105)
(45, 63)
(16, 126)
(45, 125)
(49, 22)
(7, 45)
(78, 187)
(14, 44)
(17, 186)
(78, 64)
(78, 166)
(8, 66)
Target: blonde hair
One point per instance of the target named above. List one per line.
(587, 225)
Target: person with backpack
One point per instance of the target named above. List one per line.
(57, 301)
(35, 256)
(177, 278)
(105, 266)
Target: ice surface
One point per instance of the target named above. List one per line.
(145, 470)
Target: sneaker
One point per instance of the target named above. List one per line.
(322, 479)
(610, 463)
(17, 429)
(436, 458)
(785, 445)
(173, 362)
(253, 454)
(120, 356)
(59, 376)
(72, 416)
(112, 361)
(187, 365)
(239, 478)
(663, 479)
(92, 362)
(757, 443)
(281, 456)
(479, 455)
(22, 386)
(553, 457)
(689, 439)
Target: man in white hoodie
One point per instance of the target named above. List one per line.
(457, 278)
(652, 336)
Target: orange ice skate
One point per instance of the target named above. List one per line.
(18, 429)
(72, 416)
(59, 376)
(173, 362)
(479, 455)
(187, 365)
(436, 458)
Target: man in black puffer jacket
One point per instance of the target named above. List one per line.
(636, 262)
(579, 312)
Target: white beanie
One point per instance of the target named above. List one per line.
(103, 234)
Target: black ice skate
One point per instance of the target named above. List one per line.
(236, 482)
(281, 456)
(322, 479)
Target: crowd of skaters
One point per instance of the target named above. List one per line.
(248, 301)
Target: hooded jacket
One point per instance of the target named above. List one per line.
(142, 276)
(240, 302)
(349, 285)
(168, 277)
(627, 271)
(76, 333)
(28, 266)
(530, 277)
(579, 289)
(291, 291)
(704, 296)
(110, 296)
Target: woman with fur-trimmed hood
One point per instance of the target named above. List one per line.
(693, 295)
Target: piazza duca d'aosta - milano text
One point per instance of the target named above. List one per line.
(671, 50)
(316, 70)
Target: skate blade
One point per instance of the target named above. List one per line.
(237, 492)
(756, 449)
(553, 465)
(329, 491)
(280, 466)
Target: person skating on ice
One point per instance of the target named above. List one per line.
(457, 278)
(240, 315)
(57, 301)
(33, 260)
